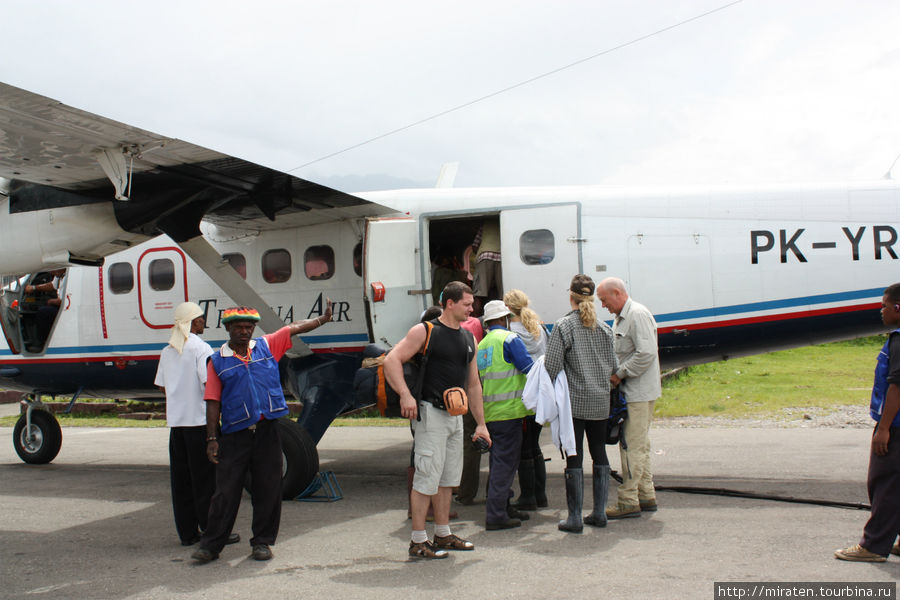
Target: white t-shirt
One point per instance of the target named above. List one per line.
(184, 377)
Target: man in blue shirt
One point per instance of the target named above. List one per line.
(883, 482)
(503, 361)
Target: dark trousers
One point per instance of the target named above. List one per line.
(531, 440)
(596, 436)
(193, 480)
(257, 451)
(884, 495)
(506, 438)
(471, 474)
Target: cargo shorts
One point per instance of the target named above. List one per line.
(438, 450)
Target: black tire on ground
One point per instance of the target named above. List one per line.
(301, 458)
(46, 438)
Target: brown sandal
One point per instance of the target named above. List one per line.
(426, 550)
(452, 542)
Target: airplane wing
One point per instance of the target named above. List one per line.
(59, 155)
(70, 166)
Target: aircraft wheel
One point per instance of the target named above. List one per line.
(301, 458)
(42, 442)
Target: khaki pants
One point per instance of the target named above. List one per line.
(637, 481)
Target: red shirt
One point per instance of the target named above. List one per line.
(279, 343)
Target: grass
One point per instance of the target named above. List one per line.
(825, 377)
(815, 377)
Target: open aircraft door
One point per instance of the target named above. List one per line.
(162, 285)
(541, 250)
(390, 278)
(9, 314)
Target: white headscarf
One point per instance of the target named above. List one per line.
(184, 314)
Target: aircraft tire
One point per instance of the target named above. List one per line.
(301, 458)
(47, 438)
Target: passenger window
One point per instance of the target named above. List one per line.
(238, 263)
(276, 266)
(318, 262)
(121, 277)
(162, 274)
(357, 259)
(536, 247)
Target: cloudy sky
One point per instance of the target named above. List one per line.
(756, 91)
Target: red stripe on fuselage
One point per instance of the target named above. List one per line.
(768, 318)
(112, 359)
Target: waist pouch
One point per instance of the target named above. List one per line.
(453, 400)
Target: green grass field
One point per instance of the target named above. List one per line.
(821, 377)
(824, 376)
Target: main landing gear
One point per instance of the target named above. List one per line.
(37, 435)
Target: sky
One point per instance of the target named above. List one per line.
(754, 91)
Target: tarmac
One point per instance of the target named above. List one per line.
(97, 523)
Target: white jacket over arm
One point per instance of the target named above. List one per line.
(550, 402)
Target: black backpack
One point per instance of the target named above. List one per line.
(618, 412)
(370, 386)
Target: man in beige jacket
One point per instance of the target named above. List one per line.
(634, 336)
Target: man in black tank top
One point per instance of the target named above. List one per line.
(439, 438)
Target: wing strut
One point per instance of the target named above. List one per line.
(237, 289)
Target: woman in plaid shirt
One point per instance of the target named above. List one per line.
(582, 346)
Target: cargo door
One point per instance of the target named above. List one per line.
(541, 250)
(162, 285)
(391, 286)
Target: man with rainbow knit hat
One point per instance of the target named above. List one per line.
(243, 387)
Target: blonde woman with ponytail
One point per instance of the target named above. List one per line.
(532, 471)
(583, 347)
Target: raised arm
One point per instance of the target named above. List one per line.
(307, 325)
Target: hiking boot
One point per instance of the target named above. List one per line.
(514, 513)
(233, 538)
(261, 552)
(623, 511)
(203, 555)
(452, 542)
(507, 524)
(857, 553)
(649, 505)
(426, 550)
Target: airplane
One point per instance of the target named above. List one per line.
(142, 222)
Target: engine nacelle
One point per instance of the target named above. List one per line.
(35, 240)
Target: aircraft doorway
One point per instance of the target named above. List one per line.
(29, 309)
(454, 247)
(162, 285)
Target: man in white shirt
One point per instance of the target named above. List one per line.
(182, 375)
(637, 350)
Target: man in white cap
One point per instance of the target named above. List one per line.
(182, 376)
(503, 361)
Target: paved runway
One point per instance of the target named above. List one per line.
(97, 524)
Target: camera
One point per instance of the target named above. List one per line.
(481, 445)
